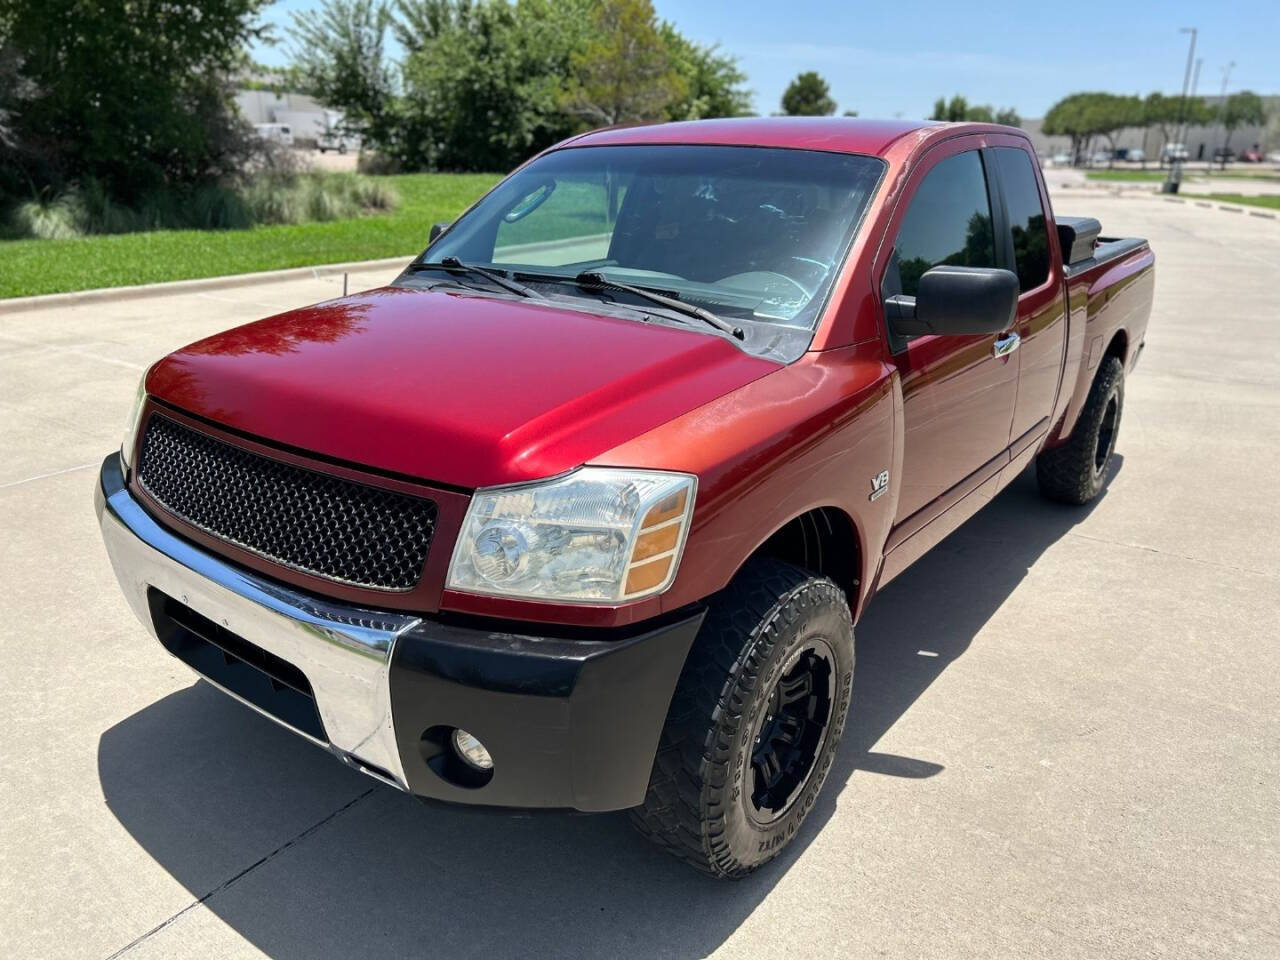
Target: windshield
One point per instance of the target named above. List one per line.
(743, 231)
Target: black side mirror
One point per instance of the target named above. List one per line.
(954, 301)
(436, 230)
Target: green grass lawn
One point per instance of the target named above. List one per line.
(1158, 176)
(29, 267)
(1271, 202)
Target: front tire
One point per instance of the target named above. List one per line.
(1077, 471)
(754, 723)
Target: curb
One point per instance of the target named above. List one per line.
(110, 294)
(1210, 205)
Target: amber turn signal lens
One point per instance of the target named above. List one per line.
(655, 542)
(654, 553)
(646, 576)
(664, 510)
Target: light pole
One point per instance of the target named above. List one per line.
(1185, 133)
(1222, 115)
(1175, 165)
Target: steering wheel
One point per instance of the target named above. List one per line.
(767, 283)
(813, 268)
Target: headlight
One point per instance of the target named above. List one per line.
(597, 535)
(135, 419)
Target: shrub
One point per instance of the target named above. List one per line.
(86, 208)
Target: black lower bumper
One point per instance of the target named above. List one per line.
(569, 723)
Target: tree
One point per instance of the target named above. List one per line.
(133, 95)
(1083, 116)
(1169, 115)
(958, 110)
(955, 110)
(339, 52)
(714, 84)
(808, 96)
(623, 73)
(417, 22)
(1243, 109)
(483, 93)
(1109, 114)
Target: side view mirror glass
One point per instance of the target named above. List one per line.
(956, 301)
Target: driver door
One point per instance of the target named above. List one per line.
(959, 392)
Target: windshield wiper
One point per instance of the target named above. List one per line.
(594, 279)
(454, 265)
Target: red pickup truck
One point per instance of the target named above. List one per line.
(581, 510)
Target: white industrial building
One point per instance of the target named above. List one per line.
(307, 118)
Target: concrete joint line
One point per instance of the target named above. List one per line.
(45, 476)
(227, 884)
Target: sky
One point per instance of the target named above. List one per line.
(893, 59)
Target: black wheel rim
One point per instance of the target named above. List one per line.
(790, 732)
(1106, 434)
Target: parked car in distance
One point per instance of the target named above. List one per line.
(1100, 158)
(334, 140)
(1136, 155)
(582, 509)
(1252, 155)
(275, 132)
(1061, 160)
(1223, 155)
(1173, 151)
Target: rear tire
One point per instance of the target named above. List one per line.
(1077, 471)
(754, 723)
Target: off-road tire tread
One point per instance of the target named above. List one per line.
(1065, 473)
(684, 807)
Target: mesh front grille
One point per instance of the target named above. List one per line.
(313, 522)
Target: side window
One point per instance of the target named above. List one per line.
(1026, 217)
(948, 222)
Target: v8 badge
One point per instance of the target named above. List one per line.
(879, 484)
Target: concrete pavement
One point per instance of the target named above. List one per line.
(1064, 743)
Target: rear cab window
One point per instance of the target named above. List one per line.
(1027, 220)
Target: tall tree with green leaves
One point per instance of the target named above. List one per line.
(715, 85)
(1170, 114)
(133, 95)
(1243, 109)
(624, 72)
(1110, 114)
(339, 51)
(483, 92)
(1083, 116)
(958, 109)
(808, 96)
(417, 22)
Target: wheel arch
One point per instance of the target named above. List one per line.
(1118, 347)
(825, 540)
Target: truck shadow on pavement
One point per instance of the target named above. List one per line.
(304, 858)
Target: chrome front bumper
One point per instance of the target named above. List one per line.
(344, 651)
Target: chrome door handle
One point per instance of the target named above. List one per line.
(1005, 345)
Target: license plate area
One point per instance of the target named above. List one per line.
(257, 676)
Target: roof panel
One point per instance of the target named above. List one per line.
(841, 134)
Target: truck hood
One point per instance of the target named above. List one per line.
(454, 388)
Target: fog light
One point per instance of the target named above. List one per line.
(471, 750)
